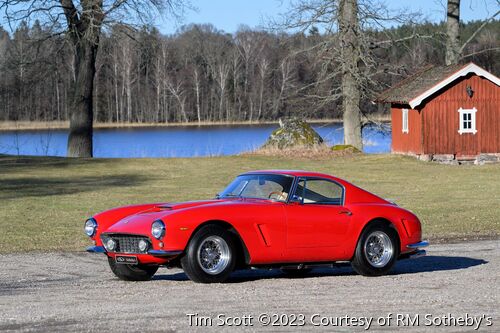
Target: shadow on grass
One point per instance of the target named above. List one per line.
(29, 184)
(40, 187)
(403, 267)
(9, 163)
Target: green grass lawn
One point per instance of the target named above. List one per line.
(44, 201)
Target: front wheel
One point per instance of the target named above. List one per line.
(210, 255)
(132, 272)
(377, 251)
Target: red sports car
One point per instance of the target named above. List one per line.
(293, 220)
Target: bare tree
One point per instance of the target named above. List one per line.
(83, 22)
(454, 50)
(348, 26)
(350, 53)
(286, 75)
(263, 68)
(137, 66)
(453, 32)
(179, 93)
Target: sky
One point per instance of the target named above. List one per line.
(228, 15)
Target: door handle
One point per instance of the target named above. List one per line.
(346, 212)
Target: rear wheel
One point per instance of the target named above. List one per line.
(210, 255)
(377, 250)
(132, 272)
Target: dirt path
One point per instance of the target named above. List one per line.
(455, 285)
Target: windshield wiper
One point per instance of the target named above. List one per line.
(231, 195)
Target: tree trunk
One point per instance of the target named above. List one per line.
(453, 32)
(81, 116)
(197, 89)
(115, 79)
(350, 54)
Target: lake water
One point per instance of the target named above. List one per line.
(178, 141)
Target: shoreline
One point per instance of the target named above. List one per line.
(6, 126)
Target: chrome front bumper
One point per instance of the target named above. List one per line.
(96, 249)
(161, 253)
(418, 245)
(418, 252)
(155, 253)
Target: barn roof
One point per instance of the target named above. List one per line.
(416, 88)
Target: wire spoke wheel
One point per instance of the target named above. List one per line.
(213, 255)
(378, 249)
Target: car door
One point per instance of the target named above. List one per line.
(317, 221)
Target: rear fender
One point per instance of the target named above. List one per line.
(388, 214)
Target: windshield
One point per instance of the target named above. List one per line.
(276, 187)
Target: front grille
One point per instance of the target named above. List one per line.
(127, 243)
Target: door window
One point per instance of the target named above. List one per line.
(319, 191)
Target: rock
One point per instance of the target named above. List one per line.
(346, 148)
(293, 132)
(487, 159)
(445, 159)
(425, 157)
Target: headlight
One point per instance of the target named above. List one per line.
(158, 229)
(90, 227)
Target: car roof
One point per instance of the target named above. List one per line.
(295, 173)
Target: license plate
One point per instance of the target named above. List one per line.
(126, 260)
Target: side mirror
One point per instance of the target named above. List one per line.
(217, 195)
(296, 200)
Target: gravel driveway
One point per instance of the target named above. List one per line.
(455, 288)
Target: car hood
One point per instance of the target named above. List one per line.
(140, 223)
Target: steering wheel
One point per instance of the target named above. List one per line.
(281, 195)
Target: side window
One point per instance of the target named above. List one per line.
(405, 121)
(319, 191)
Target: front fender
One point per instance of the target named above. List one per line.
(109, 217)
(247, 221)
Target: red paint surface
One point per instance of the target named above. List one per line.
(441, 119)
(273, 232)
(410, 142)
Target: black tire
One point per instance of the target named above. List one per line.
(221, 243)
(361, 262)
(132, 272)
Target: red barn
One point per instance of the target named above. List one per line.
(447, 113)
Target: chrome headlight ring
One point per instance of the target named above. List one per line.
(158, 229)
(90, 227)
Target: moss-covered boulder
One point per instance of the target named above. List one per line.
(346, 148)
(293, 132)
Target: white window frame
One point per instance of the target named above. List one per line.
(404, 121)
(461, 129)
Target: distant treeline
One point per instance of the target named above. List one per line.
(204, 74)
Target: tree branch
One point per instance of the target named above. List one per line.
(477, 31)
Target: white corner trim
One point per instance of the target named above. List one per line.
(461, 129)
(470, 68)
